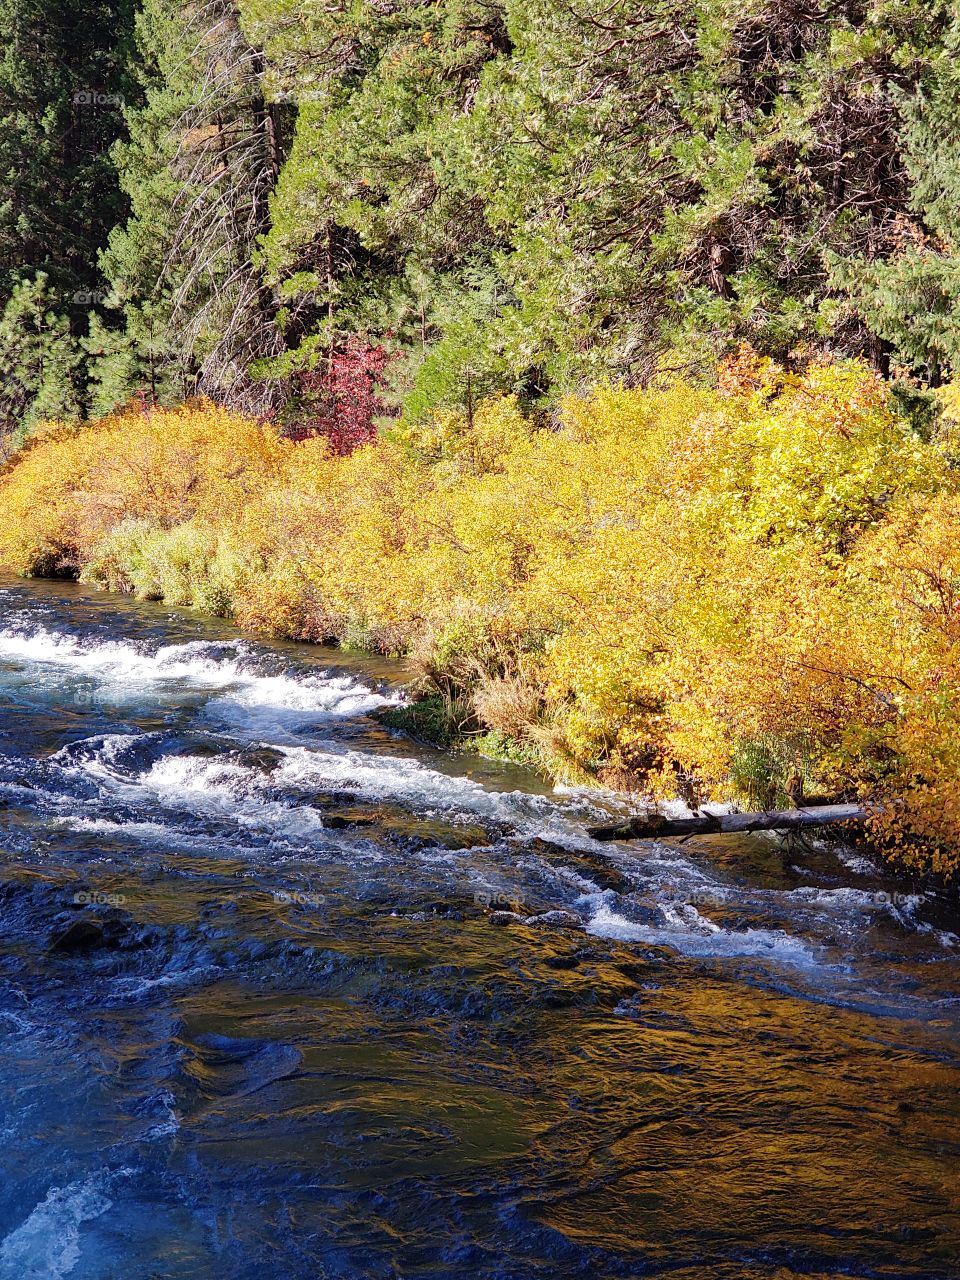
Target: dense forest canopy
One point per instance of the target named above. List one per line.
(476, 196)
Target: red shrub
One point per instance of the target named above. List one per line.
(341, 398)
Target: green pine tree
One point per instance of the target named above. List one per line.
(191, 314)
(912, 299)
(62, 86)
(40, 363)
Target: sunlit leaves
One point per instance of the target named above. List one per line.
(681, 590)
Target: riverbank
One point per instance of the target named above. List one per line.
(686, 592)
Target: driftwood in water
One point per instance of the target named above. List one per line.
(654, 825)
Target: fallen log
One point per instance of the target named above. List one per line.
(652, 826)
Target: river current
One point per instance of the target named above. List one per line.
(286, 995)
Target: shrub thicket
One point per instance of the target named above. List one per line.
(681, 590)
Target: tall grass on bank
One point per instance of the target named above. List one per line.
(678, 590)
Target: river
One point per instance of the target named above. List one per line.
(284, 994)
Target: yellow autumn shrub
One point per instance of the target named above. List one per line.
(73, 487)
(684, 590)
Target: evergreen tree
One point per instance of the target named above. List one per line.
(193, 314)
(40, 365)
(377, 229)
(584, 191)
(912, 299)
(62, 84)
(515, 195)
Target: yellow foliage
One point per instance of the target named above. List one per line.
(678, 589)
(73, 486)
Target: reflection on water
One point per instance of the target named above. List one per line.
(284, 995)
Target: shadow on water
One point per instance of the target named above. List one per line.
(283, 994)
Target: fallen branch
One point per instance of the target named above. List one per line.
(654, 825)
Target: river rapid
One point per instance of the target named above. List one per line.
(284, 994)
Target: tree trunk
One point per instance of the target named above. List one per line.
(652, 826)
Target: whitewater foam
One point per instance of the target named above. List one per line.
(226, 787)
(46, 1245)
(691, 934)
(169, 1124)
(123, 670)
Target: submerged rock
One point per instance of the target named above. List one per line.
(82, 935)
(502, 918)
(645, 913)
(340, 821)
(592, 866)
(555, 920)
(265, 759)
(415, 835)
(93, 933)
